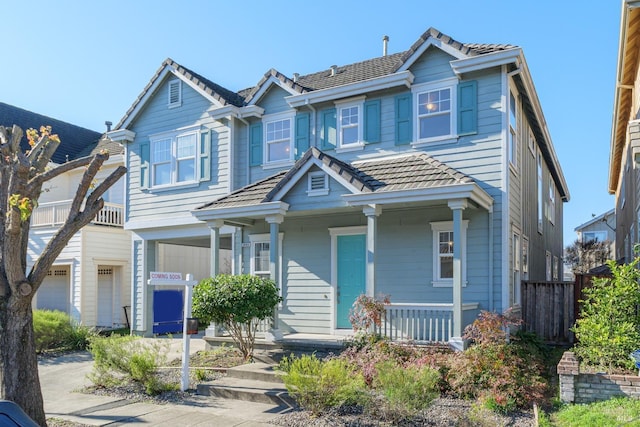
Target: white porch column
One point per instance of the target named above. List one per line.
(457, 206)
(274, 268)
(214, 268)
(215, 227)
(372, 212)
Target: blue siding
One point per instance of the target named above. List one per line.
(299, 200)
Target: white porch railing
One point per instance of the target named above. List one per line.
(56, 213)
(420, 322)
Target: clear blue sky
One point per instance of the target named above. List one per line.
(85, 62)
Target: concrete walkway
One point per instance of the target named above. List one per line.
(63, 377)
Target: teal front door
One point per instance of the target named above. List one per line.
(351, 275)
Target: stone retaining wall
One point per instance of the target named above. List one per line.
(576, 387)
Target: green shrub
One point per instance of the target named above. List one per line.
(238, 303)
(55, 330)
(608, 329)
(317, 385)
(119, 359)
(403, 391)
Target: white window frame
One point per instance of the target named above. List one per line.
(178, 102)
(540, 189)
(265, 238)
(584, 236)
(517, 268)
(525, 257)
(172, 137)
(443, 227)
(266, 121)
(313, 177)
(552, 202)
(548, 266)
(513, 129)
(340, 107)
(417, 90)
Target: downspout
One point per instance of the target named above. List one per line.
(313, 124)
(248, 159)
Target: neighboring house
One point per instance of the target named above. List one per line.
(428, 175)
(91, 278)
(601, 228)
(624, 161)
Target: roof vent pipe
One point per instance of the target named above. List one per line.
(108, 123)
(295, 77)
(334, 70)
(385, 43)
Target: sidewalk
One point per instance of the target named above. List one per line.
(62, 377)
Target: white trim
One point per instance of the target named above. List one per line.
(447, 226)
(334, 232)
(358, 143)
(400, 78)
(311, 192)
(172, 136)
(418, 89)
(487, 60)
(265, 238)
(121, 135)
(271, 80)
(432, 41)
(251, 211)
(272, 118)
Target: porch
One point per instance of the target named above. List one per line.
(56, 213)
(429, 323)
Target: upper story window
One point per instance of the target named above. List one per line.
(540, 190)
(435, 111)
(174, 158)
(594, 236)
(350, 123)
(175, 93)
(513, 130)
(552, 202)
(278, 140)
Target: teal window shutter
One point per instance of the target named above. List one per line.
(144, 164)
(328, 130)
(255, 144)
(403, 116)
(302, 134)
(467, 107)
(205, 156)
(372, 121)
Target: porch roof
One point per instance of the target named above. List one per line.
(415, 176)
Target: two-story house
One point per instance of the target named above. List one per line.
(90, 279)
(427, 175)
(624, 159)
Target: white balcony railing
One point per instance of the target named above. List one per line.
(55, 213)
(420, 322)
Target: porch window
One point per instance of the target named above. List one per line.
(174, 158)
(443, 253)
(261, 255)
(516, 257)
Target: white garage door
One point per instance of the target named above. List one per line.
(53, 294)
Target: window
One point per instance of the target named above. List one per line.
(349, 125)
(552, 202)
(556, 268)
(443, 253)
(548, 266)
(435, 112)
(175, 93)
(318, 184)
(532, 143)
(540, 191)
(525, 258)
(278, 138)
(516, 256)
(261, 255)
(513, 130)
(174, 158)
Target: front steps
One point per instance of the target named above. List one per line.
(253, 382)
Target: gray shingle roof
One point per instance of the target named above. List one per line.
(409, 172)
(112, 147)
(73, 139)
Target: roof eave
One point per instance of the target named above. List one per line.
(469, 191)
(487, 60)
(403, 78)
(258, 210)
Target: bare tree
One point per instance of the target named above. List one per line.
(22, 175)
(583, 256)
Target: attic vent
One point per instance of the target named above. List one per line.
(318, 184)
(175, 93)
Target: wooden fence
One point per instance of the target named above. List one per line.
(550, 309)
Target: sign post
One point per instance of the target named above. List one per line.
(175, 279)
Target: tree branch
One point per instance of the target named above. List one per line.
(40, 179)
